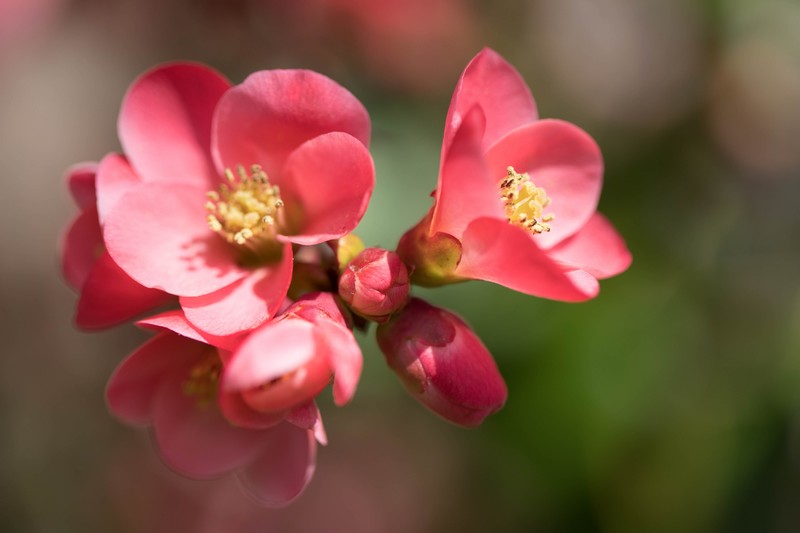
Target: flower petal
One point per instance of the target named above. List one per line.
(80, 247)
(561, 158)
(269, 352)
(493, 84)
(159, 236)
(283, 468)
(176, 322)
(597, 248)
(80, 180)
(273, 112)
(196, 440)
(239, 413)
(133, 385)
(115, 177)
(308, 417)
(345, 358)
(466, 191)
(496, 251)
(329, 180)
(165, 123)
(244, 304)
(110, 297)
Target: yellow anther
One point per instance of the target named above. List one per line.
(203, 380)
(524, 202)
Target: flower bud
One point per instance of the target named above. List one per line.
(442, 363)
(375, 284)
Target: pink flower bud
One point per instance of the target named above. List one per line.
(442, 363)
(375, 284)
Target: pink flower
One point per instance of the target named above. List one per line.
(285, 363)
(517, 196)
(171, 383)
(108, 296)
(442, 363)
(222, 180)
(375, 284)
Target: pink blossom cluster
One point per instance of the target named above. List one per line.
(225, 227)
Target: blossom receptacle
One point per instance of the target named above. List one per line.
(375, 284)
(442, 363)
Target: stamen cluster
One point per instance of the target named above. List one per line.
(525, 202)
(244, 208)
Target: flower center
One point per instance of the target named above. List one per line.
(245, 209)
(524, 202)
(203, 380)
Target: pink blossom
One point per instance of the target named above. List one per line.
(442, 363)
(172, 384)
(284, 364)
(517, 196)
(228, 178)
(375, 284)
(108, 296)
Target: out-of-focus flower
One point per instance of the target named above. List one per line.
(517, 196)
(172, 383)
(21, 19)
(220, 181)
(108, 296)
(285, 363)
(375, 284)
(442, 363)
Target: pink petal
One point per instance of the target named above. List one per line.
(329, 180)
(284, 466)
(597, 248)
(159, 235)
(133, 385)
(110, 297)
(165, 123)
(493, 84)
(272, 112)
(239, 413)
(345, 357)
(308, 417)
(115, 177)
(81, 245)
(561, 158)
(496, 251)
(80, 180)
(196, 440)
(465, 191)
(244, 304)
(176, 322)
(270, 352)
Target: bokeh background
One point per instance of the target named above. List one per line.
(671, 403)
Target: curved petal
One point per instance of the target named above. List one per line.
(561, 158)
(308, 417)
(165, 123)
(345, 358)
(466, 191)
(270, 352)
(239, 413)
(81, 245)
(115, 177)
(80, 181)
(159, 236)
(195, 439)
(283, 468)
(597, 248)
(329, 180)
(110, 297)
(131, 390)
(493, 84)
(176, 322)
(496, 251)
(273, 112)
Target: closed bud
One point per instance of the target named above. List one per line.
(442, 363)
(375, 284)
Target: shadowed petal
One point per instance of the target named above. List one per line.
(81, 245)
(176, 322)
(80, 181)
(504, 254)
(345, 359)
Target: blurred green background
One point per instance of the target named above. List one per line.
(671, 403)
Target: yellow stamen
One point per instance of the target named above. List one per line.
(525, 202)
(246, 207)
(203, 380)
